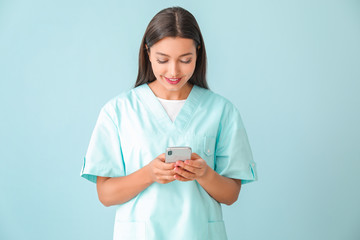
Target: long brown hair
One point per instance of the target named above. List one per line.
(172, 22)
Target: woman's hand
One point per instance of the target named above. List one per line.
(189, 170)
(160, 171)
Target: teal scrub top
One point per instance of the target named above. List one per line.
(133, 128)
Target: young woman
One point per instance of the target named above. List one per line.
(170, 105)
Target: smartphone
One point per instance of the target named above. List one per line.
(174, 154)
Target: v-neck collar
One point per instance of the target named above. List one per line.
(159, 113)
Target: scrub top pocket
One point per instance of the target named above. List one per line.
(209, 145)
(209, 150)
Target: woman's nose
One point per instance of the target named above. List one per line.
(174, 69)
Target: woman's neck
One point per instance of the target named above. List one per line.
(160, 91)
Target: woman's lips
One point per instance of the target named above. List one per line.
(172, 80)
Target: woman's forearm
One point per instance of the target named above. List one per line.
(222, 189)
(118, 190)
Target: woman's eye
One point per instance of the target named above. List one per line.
(165, 61)
(159, 61)
(188, 61)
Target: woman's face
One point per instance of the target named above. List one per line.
(173, 62)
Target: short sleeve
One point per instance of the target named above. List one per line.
(104, 156)
(233, 153)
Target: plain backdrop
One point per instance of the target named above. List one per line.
(291, 67)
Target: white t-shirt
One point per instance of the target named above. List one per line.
(172, 107)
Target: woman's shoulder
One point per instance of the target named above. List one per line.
(217, 99)
(223, 106)
(119, 101)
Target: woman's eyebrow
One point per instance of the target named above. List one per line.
(163, 54)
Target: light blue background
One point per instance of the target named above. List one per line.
(291, 67)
